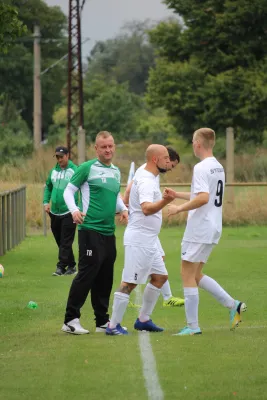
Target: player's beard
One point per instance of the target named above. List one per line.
(161, 170)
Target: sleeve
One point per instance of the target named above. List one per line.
(200, 181)
(80, 175)
(120, 206)
(69, 197)
(145, 188)
(48, 189)
(158, 244)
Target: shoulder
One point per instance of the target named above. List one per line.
(114, 167)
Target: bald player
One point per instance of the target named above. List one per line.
(142, 258)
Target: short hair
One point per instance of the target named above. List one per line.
(173, 154)
(102, 134)
(207, 135)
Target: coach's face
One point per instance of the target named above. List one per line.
(105, 149)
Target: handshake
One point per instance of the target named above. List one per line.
(170, 195)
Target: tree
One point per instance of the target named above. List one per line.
(213, 71)
(10, 26)
(15, 140)
(126, 58)
(110, 106)
(16, 67)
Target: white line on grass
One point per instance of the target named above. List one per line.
(149, 363)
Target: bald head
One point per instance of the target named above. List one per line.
(155, 150)
(157, 159)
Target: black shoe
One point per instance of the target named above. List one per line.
(59, 272)
(71, 271)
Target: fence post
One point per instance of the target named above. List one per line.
(230, 152)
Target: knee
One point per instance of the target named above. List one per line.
(158, 280)
(126, 288)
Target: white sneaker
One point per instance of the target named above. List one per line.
(74, 327)
(102, 328)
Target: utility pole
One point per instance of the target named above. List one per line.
(75, 122)
(37, 93)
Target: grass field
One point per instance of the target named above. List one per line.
(38, 361)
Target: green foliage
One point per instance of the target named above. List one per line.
(155, 126)
(213, 72)
(10, 26)
(110, 106)
(16, 68)
(126, 58)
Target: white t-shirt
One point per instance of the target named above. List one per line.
(140, 169)
(204, 224)
(143, 230)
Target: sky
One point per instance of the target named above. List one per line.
(102, 19)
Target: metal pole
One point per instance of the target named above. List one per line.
(69, 78)
(80, 71)
(37, 111)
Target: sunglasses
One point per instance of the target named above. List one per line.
(59, 157)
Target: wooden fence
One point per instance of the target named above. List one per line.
(12, 218)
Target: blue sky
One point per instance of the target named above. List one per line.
(102, 19)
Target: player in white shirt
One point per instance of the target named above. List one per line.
(203, 231)
(142, 257)
(168, 299)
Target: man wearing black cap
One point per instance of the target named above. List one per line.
(62, 224)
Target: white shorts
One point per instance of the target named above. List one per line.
(140, 262)
(196, 252)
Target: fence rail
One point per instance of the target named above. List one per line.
(235, 184)
(12, 218)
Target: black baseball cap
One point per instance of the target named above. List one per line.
(61, 150)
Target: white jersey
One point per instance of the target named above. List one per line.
(143, 230)
(204, 224)
(140, 169)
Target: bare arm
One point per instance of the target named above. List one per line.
(177, 195)
(200, 200)
(152, 208)
(182, 195)
(126, 195)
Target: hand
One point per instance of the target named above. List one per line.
(124, 216)
(78, 217)
(172, 210)
(169, 193)
(47, 208)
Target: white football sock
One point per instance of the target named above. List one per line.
(211, 286)
(166, 290)
(191, 306)
(150, 297)
(120, 304)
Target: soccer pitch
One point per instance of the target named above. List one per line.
(40, 362)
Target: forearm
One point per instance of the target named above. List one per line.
(153, 208)
(69, 198)
(183, 195)
(197, 202)
(47, 196)
(120, 206)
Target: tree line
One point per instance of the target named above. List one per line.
(206, 66)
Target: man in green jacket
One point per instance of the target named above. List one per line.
(99, 183)
(62, 224)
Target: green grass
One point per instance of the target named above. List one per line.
(38, 361)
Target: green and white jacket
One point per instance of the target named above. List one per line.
(99, 186)
(55, 185)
